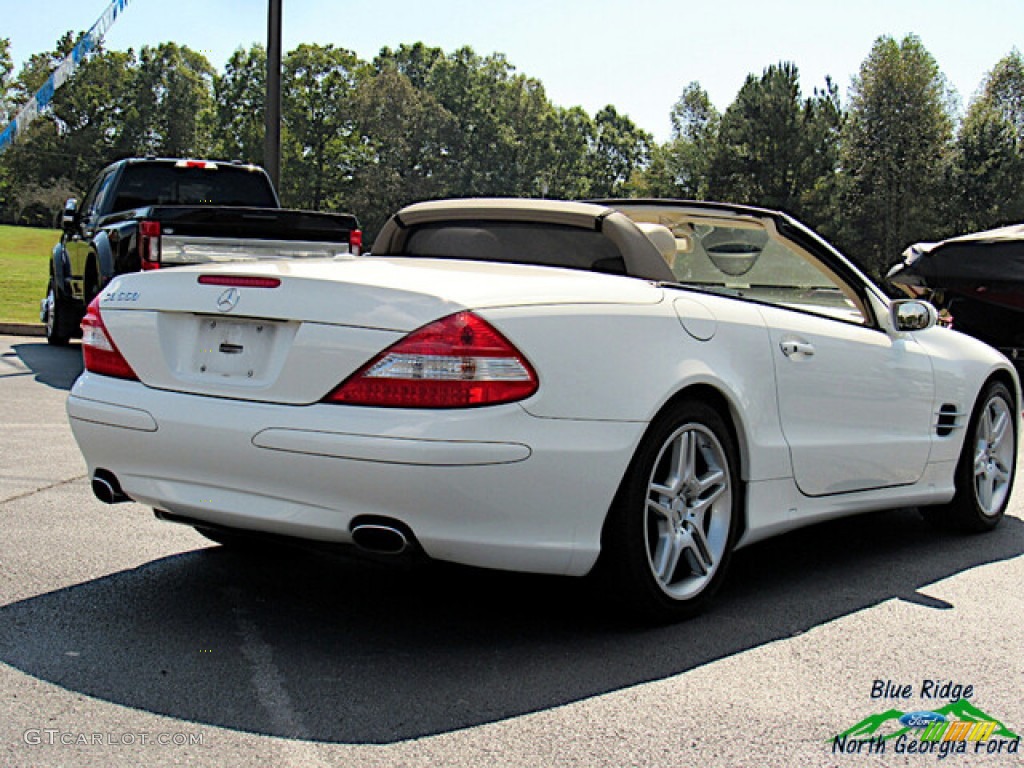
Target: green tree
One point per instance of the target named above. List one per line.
(817, 201)
(7, 106)
(508, 139)
(172, 113)
(239, 95)
(499, 146)
(682, 166)
(1004, 90)
(896, 147)
(415, 61)
(81, 130)
(91, 111)
(619, 149)
(319, 145)
(773, 147)
(37, 160)
(988, 159)
(405, 135)
(566, 172)
(7, 110)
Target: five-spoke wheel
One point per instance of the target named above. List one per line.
(985, 473)
(689, 511)
(994, 456)
(672, 527)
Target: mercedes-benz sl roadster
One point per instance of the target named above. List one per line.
(632, 388)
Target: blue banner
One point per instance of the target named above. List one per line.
(89, 42)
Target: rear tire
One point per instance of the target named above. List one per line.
(56, 317)
(674, 522)
(985, 472)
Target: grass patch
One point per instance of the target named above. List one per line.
(24, 271)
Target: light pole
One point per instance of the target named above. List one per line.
(272, 108)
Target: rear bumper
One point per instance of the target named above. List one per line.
(493, 487)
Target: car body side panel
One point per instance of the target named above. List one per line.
(856, 407)
(626, 363)
(962, 364)
(777, 506)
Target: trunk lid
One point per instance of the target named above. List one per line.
(313, 323)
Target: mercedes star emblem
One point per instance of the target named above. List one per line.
(228, 300)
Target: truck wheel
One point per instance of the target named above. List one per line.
(56, 316)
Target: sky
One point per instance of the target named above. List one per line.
(637, 55)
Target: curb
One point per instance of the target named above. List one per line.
(22, 329)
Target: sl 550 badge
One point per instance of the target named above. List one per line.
(116, 295)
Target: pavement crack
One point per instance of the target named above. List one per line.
(34, 491)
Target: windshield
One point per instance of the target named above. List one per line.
(744, 255)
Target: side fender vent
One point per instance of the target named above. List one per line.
(949, 419)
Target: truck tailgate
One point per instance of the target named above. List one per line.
(196, 234)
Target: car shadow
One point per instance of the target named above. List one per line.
(321, 648)
(56, 367)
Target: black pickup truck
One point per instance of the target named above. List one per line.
(152, 213)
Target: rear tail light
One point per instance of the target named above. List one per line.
(355, 241)
(149, 244)
(99, 351)
(457, 362)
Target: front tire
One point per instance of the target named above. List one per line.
(673, 525)
(985, 472)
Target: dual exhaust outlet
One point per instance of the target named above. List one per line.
(379, 536)
(106, 488)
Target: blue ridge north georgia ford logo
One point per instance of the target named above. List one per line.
(951, 725)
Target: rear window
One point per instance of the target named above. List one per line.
(552, 245)
(142, 185)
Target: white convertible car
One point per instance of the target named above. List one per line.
(634, 388)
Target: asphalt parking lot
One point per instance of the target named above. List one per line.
(126, 641)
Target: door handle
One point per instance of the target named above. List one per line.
(802, 348)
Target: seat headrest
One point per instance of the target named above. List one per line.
(662, 238)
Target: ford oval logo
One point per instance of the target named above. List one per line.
(921, 719)
(228, 300)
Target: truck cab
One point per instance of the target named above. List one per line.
(144, 213)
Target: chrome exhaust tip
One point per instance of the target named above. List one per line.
(107, 489)
(380, 539)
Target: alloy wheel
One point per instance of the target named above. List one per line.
(688, 512)
(993, 456)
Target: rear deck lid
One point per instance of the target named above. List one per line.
(292, 331)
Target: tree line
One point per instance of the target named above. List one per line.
(894, 165)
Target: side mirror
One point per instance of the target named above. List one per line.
(67, 220)
(913, 315)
